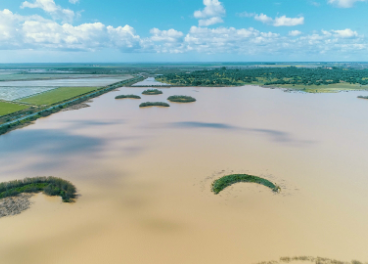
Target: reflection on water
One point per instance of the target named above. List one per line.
(144, 177)
(273, 134)
(49, 141)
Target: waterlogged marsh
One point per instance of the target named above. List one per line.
(145, 178)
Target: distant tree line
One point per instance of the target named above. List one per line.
(267, 76)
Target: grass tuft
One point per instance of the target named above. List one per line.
(362, 97)
(152, 92)
(226, 181)
(130, 96)
(181, 99)
(148, 104)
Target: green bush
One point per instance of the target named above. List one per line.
(130, 96)
(147, 104)
(181, 99)
(49, 185)
(223, 182)
(152, 92)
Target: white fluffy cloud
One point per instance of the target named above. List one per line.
(35, 32)
(211, 14)
(344, 3)
(288, 22)
(343, 33)
(281, 21)
(38, 33)
(263, 18)
(227, 40)
(294, 33)
(49, 6)
(170, 35)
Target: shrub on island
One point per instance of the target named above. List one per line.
(130, 96)
(49, 185)
(226, 181)
(152, 92)
(148, 104)
(362, 97)
(181, 99)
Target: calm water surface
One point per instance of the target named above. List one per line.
(144, 176)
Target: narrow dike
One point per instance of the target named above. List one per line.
(14, 124)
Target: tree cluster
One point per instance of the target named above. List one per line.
(49, 185)
(267, 76)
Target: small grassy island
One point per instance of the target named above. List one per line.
(128, 96)
(49, 185)
(152, 92)
(148, 104)
(181, 99)
(226, 181)
(362, 97)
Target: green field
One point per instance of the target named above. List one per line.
(58, 95)
(8, 108)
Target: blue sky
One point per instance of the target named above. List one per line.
(183, 30)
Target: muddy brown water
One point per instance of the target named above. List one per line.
(144, 178)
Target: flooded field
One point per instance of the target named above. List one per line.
(67, 82)
(144, 177)
(14, 93)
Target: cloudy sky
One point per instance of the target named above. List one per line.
(183, 30)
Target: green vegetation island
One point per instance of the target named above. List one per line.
(313, 80)
(149, 104)
(49, 185)
(181, 99)
(362, 97)
(220, 184)
(128, 96)
(152, 92)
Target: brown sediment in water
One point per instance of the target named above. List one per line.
(145, 180)
(309, 259)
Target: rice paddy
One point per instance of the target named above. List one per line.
(57, 95)
(220, 184)
(9, 108)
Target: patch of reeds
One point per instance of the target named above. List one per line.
(181, 99)
(148, 104)
(49, 185)
(223, 182)
(152, 92)
(362, 97)
(128, 96)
